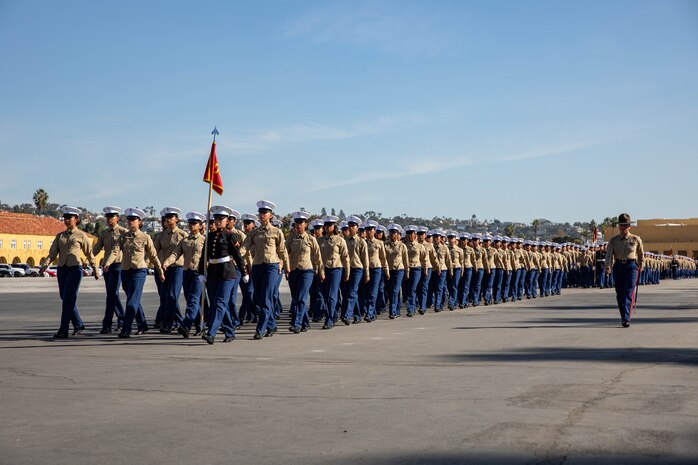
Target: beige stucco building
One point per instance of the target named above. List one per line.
(27, 238)
(663, 235)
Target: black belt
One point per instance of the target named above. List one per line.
(625, 260)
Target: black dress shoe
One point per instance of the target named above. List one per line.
(104, 331)
(304, 329)
(326, 326)
(294, 329)
(124, 335)
(165, 330)
(410, 314)
(141, 331)
(270, 332)
(229, 338)
(60, 335)
(79, 330)
(392, 317)
(626, 324)
(421, 311)
(198, 332)
(257, 336)
(156, 325)
(183, 331)
(345, 321)
(208, 338)
(356, 322)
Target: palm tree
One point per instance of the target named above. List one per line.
(535, 224)
(509, 230)
(40, 200)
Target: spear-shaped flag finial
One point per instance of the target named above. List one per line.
(212, 175)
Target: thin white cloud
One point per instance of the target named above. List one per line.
(429, 164)
(410, 168)
(298, 133)
(551, 150)
(391, 27)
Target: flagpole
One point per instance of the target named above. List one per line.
(211, 169)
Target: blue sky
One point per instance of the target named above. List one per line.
(510, 110)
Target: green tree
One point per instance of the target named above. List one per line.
(40, 200)
(509, 230)
(535, 224)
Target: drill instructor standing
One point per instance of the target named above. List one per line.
(624, 257)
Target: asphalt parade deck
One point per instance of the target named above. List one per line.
(545, 381)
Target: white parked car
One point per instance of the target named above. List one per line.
(28, 270)
(8, 270)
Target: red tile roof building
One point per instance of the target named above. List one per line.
(26, 238)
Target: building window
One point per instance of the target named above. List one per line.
(29, 244)
(683, 252)
(40, 245)
(0, 243)
(13, 244)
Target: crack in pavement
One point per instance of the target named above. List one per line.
(552, 452)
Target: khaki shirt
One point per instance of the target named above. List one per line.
(586, 260)
(557, 260)
(358, 253)
(107, 241)
(166, 243)
(376, 254)
(239, 236)
(134, 248)
(304, 253)
(628, 248)
(267, 245)
(543, 260)
(535, 257)
(456, 256)
(507, 259)
(488, 258)
(517, 259)
(334, 252)
(468, 257)
(432, 260)
(191, 248)
(416, 255)
(396, 253)
(443, 257)
(68, 246)
(478, 257)
(500, 257)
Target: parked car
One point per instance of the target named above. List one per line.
(51, 271)
(28, 270)
(8, 270)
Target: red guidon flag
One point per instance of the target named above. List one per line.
(213, 174)
(596, 234)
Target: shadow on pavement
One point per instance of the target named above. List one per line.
(683, 356)
(487, 458)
